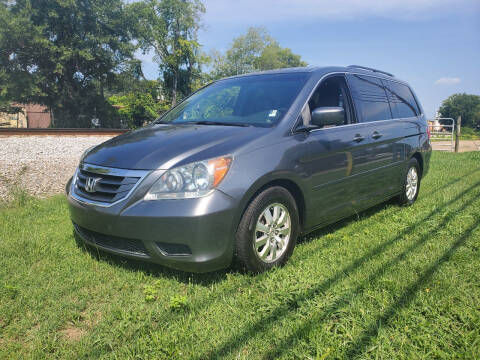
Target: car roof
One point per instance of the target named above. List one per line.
(323, 70)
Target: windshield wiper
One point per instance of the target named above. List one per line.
(208, 122)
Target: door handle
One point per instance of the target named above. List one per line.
(358, 138)
(376, 135)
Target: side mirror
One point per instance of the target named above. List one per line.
(323, 116)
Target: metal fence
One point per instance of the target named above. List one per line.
(442, 132)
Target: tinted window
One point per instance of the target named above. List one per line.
(330, 93)
(401, 100)
(370, 98)
(260, 100)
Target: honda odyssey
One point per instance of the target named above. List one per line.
(244, 166)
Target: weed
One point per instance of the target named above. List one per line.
(178, 303)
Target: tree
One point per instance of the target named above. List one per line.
(63, 54)
(476, 116)
(275, 57)
(17, 38)
(464, 105)
(140, 105)
(254, 51)
(170, 28)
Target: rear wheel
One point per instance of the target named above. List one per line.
(268, 230)
(411, 183)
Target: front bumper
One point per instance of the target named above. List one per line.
(187, 234)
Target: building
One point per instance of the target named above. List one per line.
(30, 116)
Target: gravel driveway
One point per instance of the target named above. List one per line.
(41, 164)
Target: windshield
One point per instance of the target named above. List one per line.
(259, 100)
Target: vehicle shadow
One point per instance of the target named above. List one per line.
(206, 279)
(263, 324)
(362, 342)
(151, 269)
(404, 298)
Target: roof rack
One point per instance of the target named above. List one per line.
(370, 69)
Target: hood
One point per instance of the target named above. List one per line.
(163, 146)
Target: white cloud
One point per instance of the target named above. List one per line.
(278, 10)
(447, 81)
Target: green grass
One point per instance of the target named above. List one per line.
(393, 283)
(467, 133)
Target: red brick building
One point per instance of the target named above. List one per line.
(31, 116)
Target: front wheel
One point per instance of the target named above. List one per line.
(411, 183)
(268, 230)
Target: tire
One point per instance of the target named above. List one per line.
(280, 230)
(412, 173)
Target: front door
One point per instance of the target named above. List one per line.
(331, 154)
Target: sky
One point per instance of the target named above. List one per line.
(434, 45)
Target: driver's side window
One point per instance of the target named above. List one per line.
(330, 93)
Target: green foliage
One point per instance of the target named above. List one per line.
(63, 53)
(254, 51)
(464, 105)
(169, 28)
(76, 57)
(150, 292)
(469, 134)
(276, 57)
(178, 303)
(139, 106)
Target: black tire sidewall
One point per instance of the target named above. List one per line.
(244, 250)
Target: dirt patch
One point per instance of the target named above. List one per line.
(465, 145)
(73, 333)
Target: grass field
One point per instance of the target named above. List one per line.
(465, 134)
(393, 283)
(469, 134)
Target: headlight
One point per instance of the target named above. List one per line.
(191, 180)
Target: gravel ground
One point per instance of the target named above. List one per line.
(41, 165)
(465, 145)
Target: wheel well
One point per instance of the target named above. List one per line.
(420, 161)
(293, 188)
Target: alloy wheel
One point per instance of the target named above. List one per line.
(412, 183)
(272, 233)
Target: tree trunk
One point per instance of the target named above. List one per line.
(457, 134)
(52, 118)
(174, 88)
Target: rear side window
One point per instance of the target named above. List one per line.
(401, 100)
(370, 98)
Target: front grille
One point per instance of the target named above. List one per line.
(119, 244)
(108, 188)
